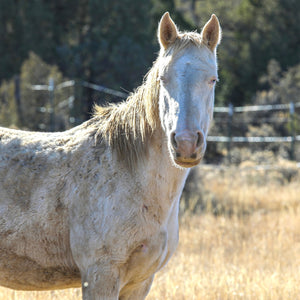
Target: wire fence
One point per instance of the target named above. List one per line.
(275, 114)
(231, 111)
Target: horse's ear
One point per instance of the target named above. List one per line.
(211, 33)
(167, 31)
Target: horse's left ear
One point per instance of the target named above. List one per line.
(167, 31)
(211, 33)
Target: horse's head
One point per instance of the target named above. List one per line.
(187, 74)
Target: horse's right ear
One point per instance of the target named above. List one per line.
(167, 31)
(211, 33)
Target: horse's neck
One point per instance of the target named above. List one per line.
(164, 181)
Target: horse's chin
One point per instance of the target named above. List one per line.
(184, 163)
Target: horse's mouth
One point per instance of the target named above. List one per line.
(187, 163)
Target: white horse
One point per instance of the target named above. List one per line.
(97, 205)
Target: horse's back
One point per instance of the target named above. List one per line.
(26, 160)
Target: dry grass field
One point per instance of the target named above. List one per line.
(242, 243)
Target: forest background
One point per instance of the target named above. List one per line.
(113, 43)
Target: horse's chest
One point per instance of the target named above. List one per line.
(149, 256)
(157, 219)
(155, 246)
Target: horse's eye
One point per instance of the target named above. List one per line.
(213, 81)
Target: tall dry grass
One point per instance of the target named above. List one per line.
(221, 258)
(243, 243)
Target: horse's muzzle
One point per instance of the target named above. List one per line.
(187, 147)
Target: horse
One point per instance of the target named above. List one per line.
(97, 206)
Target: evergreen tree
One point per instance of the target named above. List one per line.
(113, 43)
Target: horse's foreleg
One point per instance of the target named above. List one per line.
(100, 283)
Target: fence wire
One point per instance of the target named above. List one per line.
(230, 110)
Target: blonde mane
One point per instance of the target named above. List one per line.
(126, 126)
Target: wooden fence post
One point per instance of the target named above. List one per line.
(18, 100)
(51, 101)
(229, 131)
(293, 136)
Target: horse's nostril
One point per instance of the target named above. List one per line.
(194, 156)
(173, 140)
(199, 139)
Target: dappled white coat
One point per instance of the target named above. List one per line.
(98, 205)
